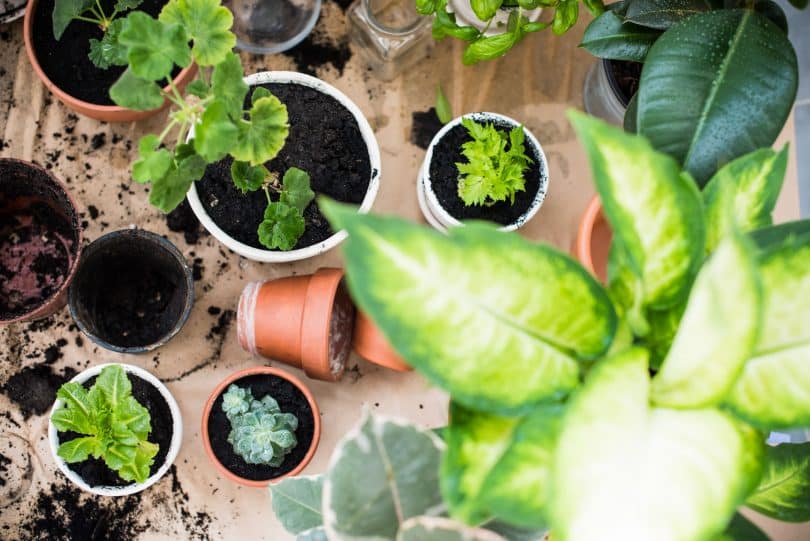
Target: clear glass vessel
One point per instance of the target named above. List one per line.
(272, 26)
(601, 95)
(390, 35)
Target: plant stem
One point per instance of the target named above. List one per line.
(267, 193)
(166, 130)
(88, 20)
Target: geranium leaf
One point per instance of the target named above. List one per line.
(135, 93)
(262, 137)
(208, 25)
(124, 5)
(153, 162)
(64, 11)
(227, 85)
(248, 178)
(216, 132)
(154, 47)
(170, 190)
(198, 88)
(282, 227)
(297, 192)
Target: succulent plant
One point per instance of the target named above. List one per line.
(260, 432)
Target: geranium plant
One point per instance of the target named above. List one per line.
(719, 78)
(495, 164)
(112, 424)
(633, 412)
(213, 110)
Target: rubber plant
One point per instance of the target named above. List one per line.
(213, 111)
(635, 411)
(719, 78)
(481, 46)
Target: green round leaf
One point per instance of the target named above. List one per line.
(208, 25)
(135, 93)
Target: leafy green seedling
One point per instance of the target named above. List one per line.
(283, 222)
(214, 108)
(105, 52)
(260, 432)
(443, 110)
(115, 426)
(495, 164)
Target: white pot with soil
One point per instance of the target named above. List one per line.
(166, 433)
(438, 184)
(329, 138)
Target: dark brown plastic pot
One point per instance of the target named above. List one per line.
(108, 113)
(258, 371)
(594, 236)
(304, 321)
(40, 242)
(370, 343)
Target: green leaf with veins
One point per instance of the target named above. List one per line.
(124, 5)
(565, 16)
(198, 88)
(208, 25)
(216, 132)
(140, 465)
(282, 226)
(485, 9)
(154, 46)
(248, 178)
(109, 51)
(297, 192)
(169, 191)
(64, 11)
(445, 25)
(79, 449)
(135, 93)
(228, 86)
(784, 492)
(153, 162)
(262, 137)
(297, 502)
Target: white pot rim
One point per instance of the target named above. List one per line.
(466, 16)
(269, 256)
(174, 446)
(432, 209)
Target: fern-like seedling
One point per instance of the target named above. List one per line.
(260, 432)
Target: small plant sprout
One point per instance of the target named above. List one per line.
(114, 425)
(444, 112)
(283, 222)
(495, 164)
(108, 51)
(260, 432)
(198, 31)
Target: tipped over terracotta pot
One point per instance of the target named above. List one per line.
(594, 236)
(292, 397)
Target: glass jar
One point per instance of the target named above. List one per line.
(390, 35)
(272, 26)
(601, 94)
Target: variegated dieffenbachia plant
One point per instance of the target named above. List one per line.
(637, 411)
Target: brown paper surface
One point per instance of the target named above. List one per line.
(534, 84)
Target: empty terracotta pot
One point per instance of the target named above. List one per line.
(292, 396)
(370, 343)
(304, 321)
(594, 236)
(40, 242)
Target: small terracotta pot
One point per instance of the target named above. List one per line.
(108, 113)
(370, 343)
(304, 321)
(47, 223)
(221, 388)
(594, 236)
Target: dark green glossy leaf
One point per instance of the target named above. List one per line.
(661, 14)
(772, 237)
(631, 115)
(609, 37)
(772, 11)
(716, 87)
(742, 529)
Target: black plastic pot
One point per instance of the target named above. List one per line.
(133, 291)
(40, 241)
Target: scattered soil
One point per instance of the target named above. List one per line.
(129, 292)
(320, 50)
(66, 63)
(34, 388)
(624, 77)
(94, 471)
(290, 399)
(183, 220)
(324, 141)
(444, 181)
(424, 127)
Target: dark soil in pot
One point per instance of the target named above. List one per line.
(66, 63)
(94, 471)
(444, 180)
(623, 77)
(129, 291)
(324, 140)
(290, 399)
(39, 239)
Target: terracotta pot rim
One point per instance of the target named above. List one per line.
(44, 308)
(75, 103)
(260, 370)
(369, 343)
(331, 277)
(582, 246)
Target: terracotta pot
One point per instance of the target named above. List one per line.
(41, 219)
(304, 321)
(108, 113)
(174, 445)
(594, 236)
(106, 269)
(372, 345)
(221, 388)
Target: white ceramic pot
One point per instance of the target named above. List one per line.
(174, 447)
(434, 212)
(269, 256)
